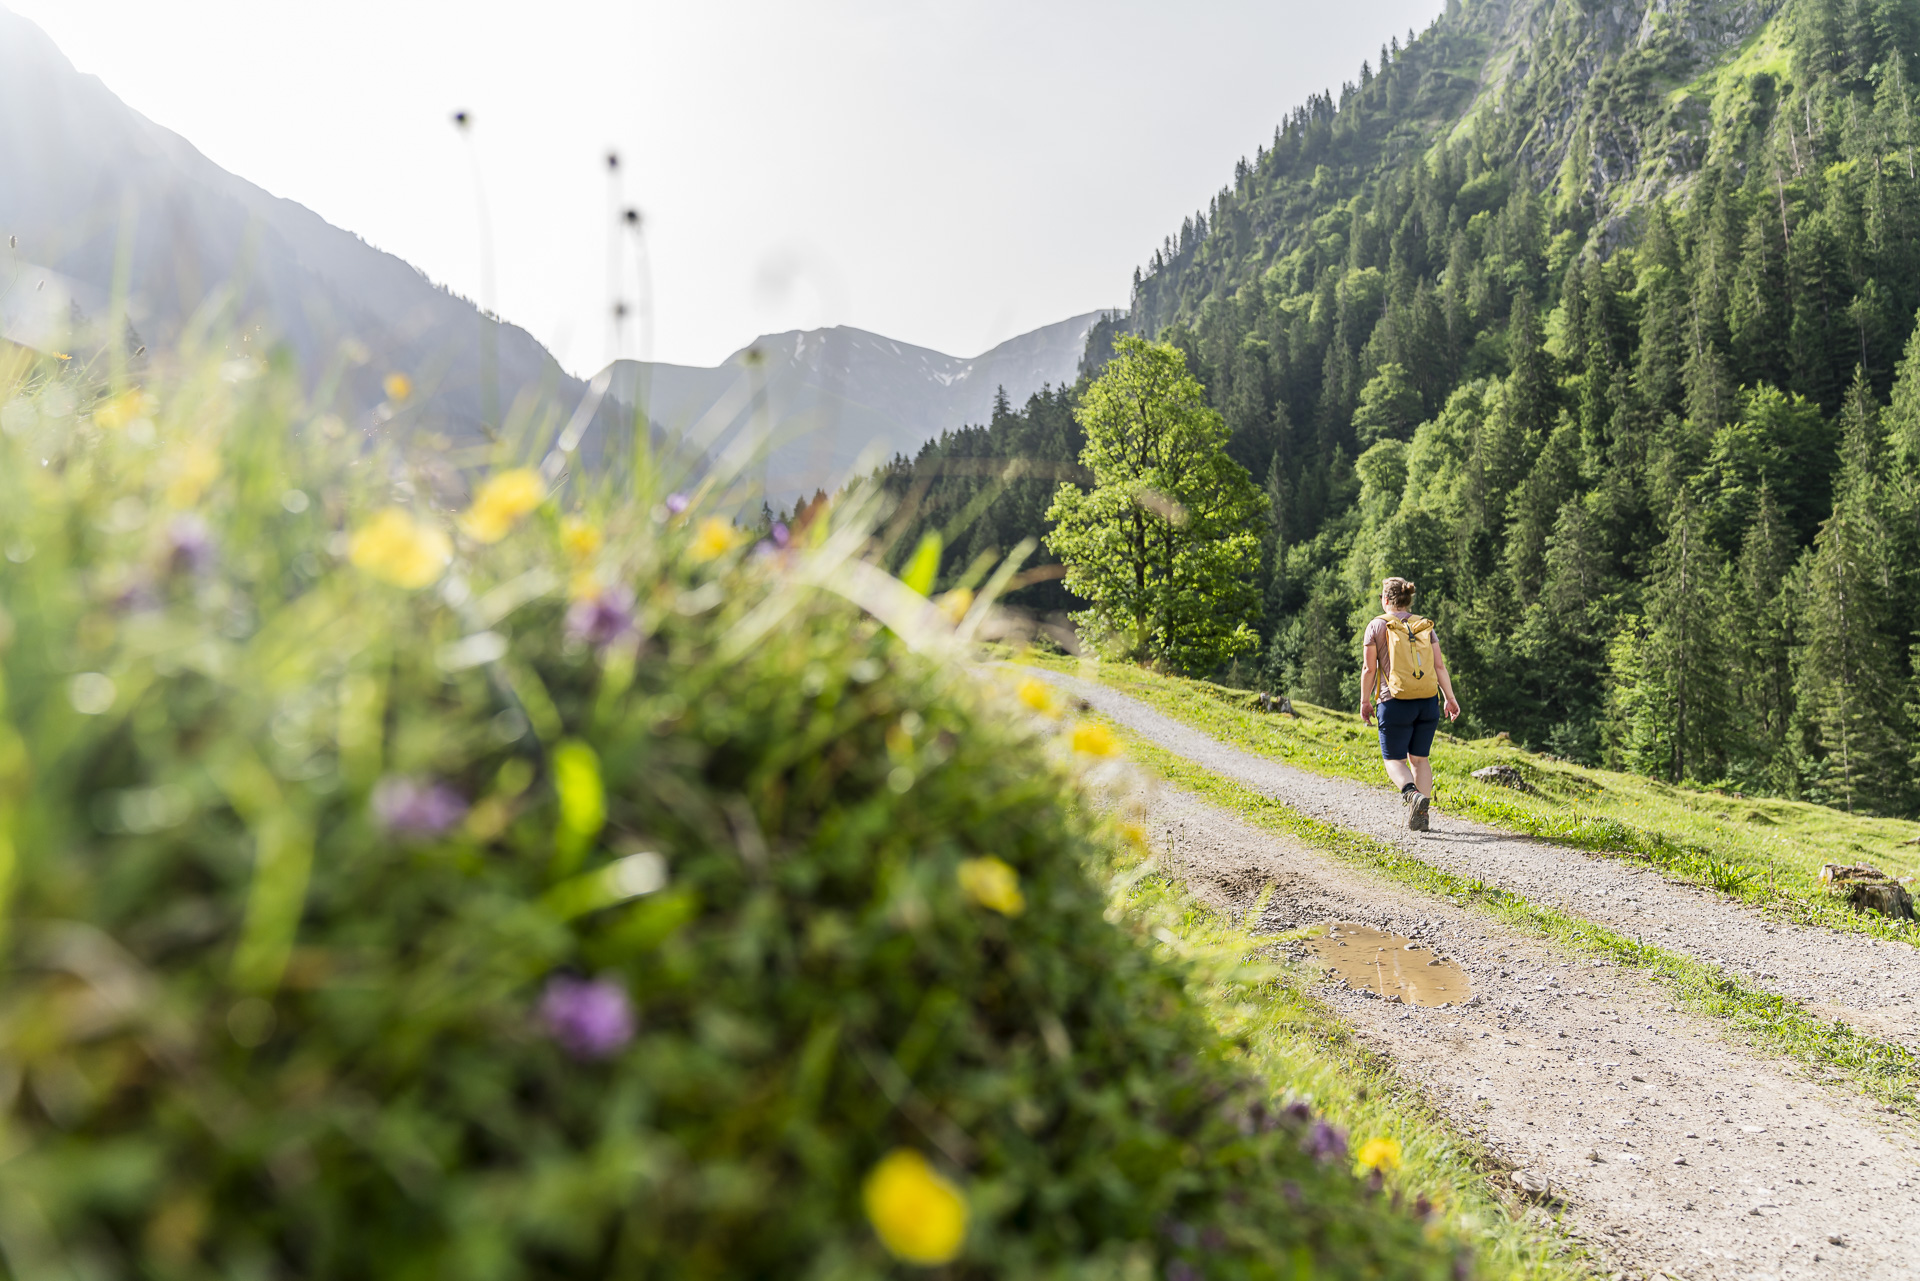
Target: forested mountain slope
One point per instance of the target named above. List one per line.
(1596, 321)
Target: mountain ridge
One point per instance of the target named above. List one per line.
(844, 397)
(80, 157)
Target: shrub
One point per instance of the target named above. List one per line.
(529, 895)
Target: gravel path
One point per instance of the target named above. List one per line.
(1670, 1149)
(1871, 984)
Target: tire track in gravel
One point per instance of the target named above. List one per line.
(1670, 1149)
(1873, 984)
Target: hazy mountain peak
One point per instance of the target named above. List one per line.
(839, 395)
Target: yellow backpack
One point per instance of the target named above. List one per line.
(1410, 658)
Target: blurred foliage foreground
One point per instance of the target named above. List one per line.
(549, 884)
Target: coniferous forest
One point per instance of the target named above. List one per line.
(1600, 326)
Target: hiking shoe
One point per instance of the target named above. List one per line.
(1417, 812)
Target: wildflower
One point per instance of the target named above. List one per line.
(715, 538)
(192, 470)
(1324, 1142)
(502, 500)
(1094, 739)
(918, 1215)
(1378, 1154)
(590, 1018)
(395, 548)
(119, 411)
(990, 882)
(579, 539)
(1134, 835)
(601, 618)
(136, 597)
(189, 545)
(676, 503)
(956, 603)
(1039, 696)
(398, 387)
(408, 807)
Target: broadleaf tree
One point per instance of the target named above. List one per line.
(1166, 544)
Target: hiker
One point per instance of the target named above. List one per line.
(1404, 667)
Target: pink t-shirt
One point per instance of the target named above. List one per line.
(1376, 637)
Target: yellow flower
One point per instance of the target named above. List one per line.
(990, 882)
(398, 387)
(716, 537)
(117, 412)
(395, 548)
(191, 471)
(1095, 739)
(579, 539)
(1134, 835)
(1039, 695)
(503, 500)
(1378, 1154)
(956, 603)
(584, 584)
(918, 1215)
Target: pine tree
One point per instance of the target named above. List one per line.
(1848, 668)
(1662, 347)
(1762, 636)
(1686, 647)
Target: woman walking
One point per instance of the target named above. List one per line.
(1403, 668)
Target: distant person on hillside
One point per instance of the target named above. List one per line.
(1406, 673)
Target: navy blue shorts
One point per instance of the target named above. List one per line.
(1407, 726)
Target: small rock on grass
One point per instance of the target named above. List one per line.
(1504, 776)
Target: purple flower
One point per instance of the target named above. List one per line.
(781, 535)
(676, 503)
(590, 1018)
(408, 807)
(1325, 1142)
(189, 545)
(1298, 1112)
(602, 619)
(137, 597)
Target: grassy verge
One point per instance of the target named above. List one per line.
(1290, 1036)
(1768, 1022)
(1763, 852)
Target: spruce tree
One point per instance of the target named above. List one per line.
(1850, 669)
(1686, 647)
(1762, 632)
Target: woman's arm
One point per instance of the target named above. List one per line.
(1452, 704)
(1369, 664)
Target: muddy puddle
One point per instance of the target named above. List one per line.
(1395, 967)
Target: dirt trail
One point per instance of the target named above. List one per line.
(1671, 1149)
(1872, 984)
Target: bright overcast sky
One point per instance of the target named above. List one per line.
(946, 174)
